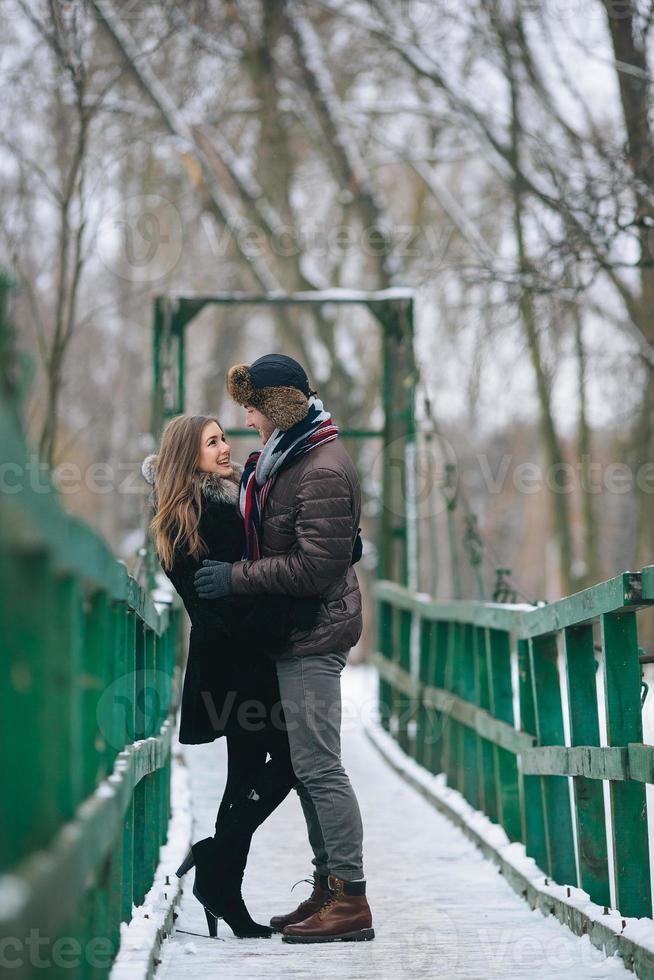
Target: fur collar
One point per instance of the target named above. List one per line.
(217, 489)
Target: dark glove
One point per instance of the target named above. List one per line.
(357, 550)
(213, 580)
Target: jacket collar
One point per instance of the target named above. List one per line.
(219, 490)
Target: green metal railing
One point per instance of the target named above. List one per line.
(87, 703)
(447, 694)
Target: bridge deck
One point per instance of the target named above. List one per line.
(440, 909)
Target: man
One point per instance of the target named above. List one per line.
(301, 502)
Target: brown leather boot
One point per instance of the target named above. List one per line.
(344, 917)
(316, 899)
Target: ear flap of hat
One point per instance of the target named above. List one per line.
(240, 385)
(285, 407)
(149, 468)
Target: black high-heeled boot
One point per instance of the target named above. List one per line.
(220, 861)
(218, 888)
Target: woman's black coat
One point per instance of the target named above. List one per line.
(230, 683)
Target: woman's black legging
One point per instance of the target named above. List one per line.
(255, 787)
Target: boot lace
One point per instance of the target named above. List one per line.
(333, 898)
(309, 881)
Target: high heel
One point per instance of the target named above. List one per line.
(237, 917)
(212, 923)
(217, 888)
(186, 865)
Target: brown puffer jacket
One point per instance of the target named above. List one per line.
(310, 522)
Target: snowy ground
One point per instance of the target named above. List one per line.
(439, 909)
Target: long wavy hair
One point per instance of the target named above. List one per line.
(178, 493)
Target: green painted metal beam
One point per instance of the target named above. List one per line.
(633, 762)
(309, 298)
(622, 593)
(454, 707)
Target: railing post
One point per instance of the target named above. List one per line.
(127, 673)
(437, 721)
(98, 920)
(97, 654)
(403, 703)
(624, 725)
(487, 751)
(549, 730)
(423, 719)
(581, 668)
(116, 684)
(116, 890)
(65, 632)
(467, 690)
(29, 818)
(533, 816)
(385, 647)
(151, 781)
(127, 878)
(452, 733)
(139, 809)
(498, 654)
(83, 930)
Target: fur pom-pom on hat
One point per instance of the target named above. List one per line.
(276, 385)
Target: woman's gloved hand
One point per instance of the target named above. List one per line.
(213, 580)
(357, 550)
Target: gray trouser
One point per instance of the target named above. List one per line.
(310, 689)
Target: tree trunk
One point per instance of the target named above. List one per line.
(635, 97)
(584, 443)
(553, 449)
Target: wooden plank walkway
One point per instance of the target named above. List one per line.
(440, 909)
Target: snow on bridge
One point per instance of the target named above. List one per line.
(439, 908)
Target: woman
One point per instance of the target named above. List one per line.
(230, 684)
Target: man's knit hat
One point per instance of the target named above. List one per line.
(275, 384)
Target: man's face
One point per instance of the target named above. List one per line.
(254, 419)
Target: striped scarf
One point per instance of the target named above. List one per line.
(263, 466)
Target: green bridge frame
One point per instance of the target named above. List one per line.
(394, 310)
